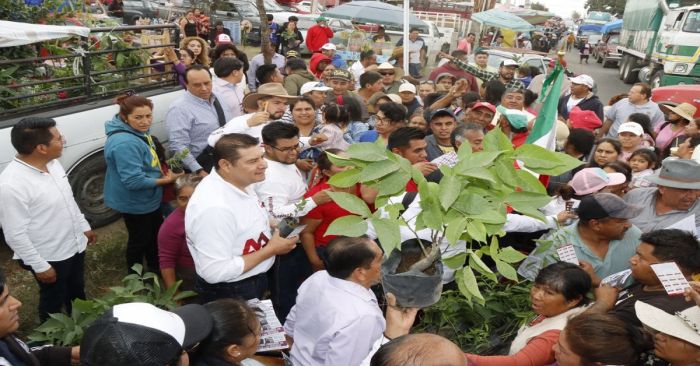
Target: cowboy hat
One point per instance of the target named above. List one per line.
(683, 325)
(250, 102)
(685, 110)
(677, 173)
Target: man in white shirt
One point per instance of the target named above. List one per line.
(282, 194)
(229, 73)
(336, 320)
(228, 231)
(367, 58)
(415, 50)
(40, 218)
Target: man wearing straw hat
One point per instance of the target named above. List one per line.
(270, 102)
(675, 198)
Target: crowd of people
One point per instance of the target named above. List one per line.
(255, 140)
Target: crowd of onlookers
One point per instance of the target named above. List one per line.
(255, 141)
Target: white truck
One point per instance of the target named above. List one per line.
(76, 84)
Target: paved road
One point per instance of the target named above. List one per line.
(609, 83)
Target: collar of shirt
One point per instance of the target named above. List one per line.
(248, 193)
(195, 99)
(352, 288)
(223, 83)
(24, 164)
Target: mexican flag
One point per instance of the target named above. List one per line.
(543, 131)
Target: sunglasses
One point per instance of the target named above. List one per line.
(386, 73)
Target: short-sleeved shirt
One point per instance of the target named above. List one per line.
(327, 213)
(624, 308)
(616, 259)
(649, 220)
(621, 110)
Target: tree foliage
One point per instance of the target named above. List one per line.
(538, 6)
(616, 6)
(575, 15)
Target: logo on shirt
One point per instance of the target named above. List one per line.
(253, 246)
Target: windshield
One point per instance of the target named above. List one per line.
(589, 33)
(614, 40)
(272, 6)
(247, 9)
(599, 15)
(692, 22)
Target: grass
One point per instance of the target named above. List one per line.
(105, 266)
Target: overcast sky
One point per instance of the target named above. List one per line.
(562, 8)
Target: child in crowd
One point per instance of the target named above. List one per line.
(336, 119)
(643, 163)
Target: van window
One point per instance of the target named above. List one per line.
(692, 22)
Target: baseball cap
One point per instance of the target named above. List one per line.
(445, 75)
(223, 39)
(509, 63)
(583, 79)
(516, 118)
(486, 105)
(407, 87)
(329, 46)
(584, 119)
(141, 334)
(292, 53)
(591, 180)
(603, 205)
(394, 98)
(340, 74)
(385, 66)
(441, 112)
(632, 127)
(313, 86)
(321, 19)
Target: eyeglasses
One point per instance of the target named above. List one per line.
(386, 73)
(287, 149)
(382, 119)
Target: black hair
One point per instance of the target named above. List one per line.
(458, 53)
(401, 138)
(228, 146)
(293, 18)
(395, 112)
(264, 73)
(414, 30)
(296, 64)
(2, 282)
(581, 140)
(530, 97)
(274, 131)
(675, 245)
(345, 254)
(303, 98)
(694, 141)
(524, 71)
(336, 114)
(480, 52)
(369, 77)
(219, 50)
(469, 99)
(615, 144)
(352, 106)
(223, 67)
(471, 34)
(430, 99)
(30, 132)
(196, 67)
(567, 279)
(270, 17)
(323, 162)
(364, 55)
(233, 321)
(461, 130)
(643, 121)
(534, 71)
(188, 51)
(620, 167)
(494, 90)
(648, 155)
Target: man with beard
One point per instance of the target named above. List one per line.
(505, 74)
(674, 129)
(271, 101)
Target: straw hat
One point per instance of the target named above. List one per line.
(684, 325)
(685, 110)
(250, 101)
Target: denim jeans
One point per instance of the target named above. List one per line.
(249, 288)
(288, 273)
(69, 285)
(414, 70)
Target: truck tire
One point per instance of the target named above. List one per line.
(87, 181)
(655, 80)
(623, 63)
(629, 77)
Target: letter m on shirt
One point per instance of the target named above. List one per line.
(252, 245)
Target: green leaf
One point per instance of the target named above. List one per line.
(528, 182)
(378, 169)
(479, 173)
(479, 159)
(510, 255)
(506, 270)
(388, 233)
(347, 226)
(338, 160)
(469, 281)
(431, 214)
(347, 178)
(478, 262)
(470, 203)
(476, 230)
(350, 202)
(449, 190)
(455, 262)
(493, 247)
(496, 140)
(393, 183)
(455, 228)
(528, 203)
(367, 151)
(506, 172)
(543, 161)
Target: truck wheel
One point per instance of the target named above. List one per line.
(655, 80)
(629, 77)
(623, 64)
(87, 181)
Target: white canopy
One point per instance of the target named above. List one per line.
(17, 34)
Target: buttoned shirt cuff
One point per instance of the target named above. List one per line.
(39, 267)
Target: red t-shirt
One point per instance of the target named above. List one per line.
(327, 213)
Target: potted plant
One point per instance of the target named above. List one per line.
(175, 161)
(469, 205)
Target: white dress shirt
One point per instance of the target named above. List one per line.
(231, 93)
(357, 70)
(39, 216)
(224, 223)
(282, 190)
(237, 125)
(335, 322)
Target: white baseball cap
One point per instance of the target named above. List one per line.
(632, 127)
(385, 66)
(407, 87)
(583, 79)
(508, 62)
(313, 86)
(394, 98)
(329, 46)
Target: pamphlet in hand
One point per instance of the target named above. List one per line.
(568, 254)
(296, 231)
(617, 279)
(671, 277)
(449, 159)
(272, 337)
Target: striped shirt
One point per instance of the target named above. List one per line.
(487, 76)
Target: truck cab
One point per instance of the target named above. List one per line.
(677, 48)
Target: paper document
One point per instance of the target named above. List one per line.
(568, 254)
(272, 337)
(671, 277)
(617, 279)
(449, 159)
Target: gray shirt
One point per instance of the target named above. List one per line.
(649, 220)
(190, 120)
(620, 111)
(259, 60)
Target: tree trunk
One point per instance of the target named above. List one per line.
(265, 46)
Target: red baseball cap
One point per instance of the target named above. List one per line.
(584, 119)
(486, 105)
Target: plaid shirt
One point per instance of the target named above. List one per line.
(487, 76)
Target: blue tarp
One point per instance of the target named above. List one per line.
(590, 27)
(612, 26)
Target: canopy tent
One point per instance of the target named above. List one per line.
(532, 16)
(612, 26)
(373, 12)
(502, 19)
(17, 34)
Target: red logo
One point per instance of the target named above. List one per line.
(252, 245)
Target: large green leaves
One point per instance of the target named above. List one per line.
(347, 226)
(544, 161)
(367, 151)
(388, 233)
(350, 202)
(450, 187)
(528, 203)
(347, 178)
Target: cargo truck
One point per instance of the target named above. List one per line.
(660, 42)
